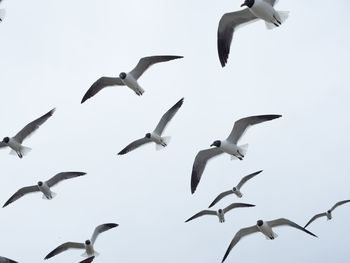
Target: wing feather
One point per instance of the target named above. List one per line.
(100, 84)
(64, 247)
(219, 197)
(135, 144)
(246, 178)
(286, 222)
(201, 213)
(63, 176)
(100, 229)
(21, 192)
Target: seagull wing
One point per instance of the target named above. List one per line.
(286, 222)
(33, 126)
(314, 218)
(236, 205)
(63, 176)
(2, 144)
(99, 84)
(202, 213)
(339, 203)
(134, 145)
(227, 26)
(88, 260)
(246, 178)
(241, 233)
(146, 62)
(21, 192)
(64, 247)
(100, 229)
(240, 126)
(219, 197)
(167, 117)
(6, 260)
(199, 164)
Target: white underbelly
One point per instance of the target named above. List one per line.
(229, 148)
(263, 10)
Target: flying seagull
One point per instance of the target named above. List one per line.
(263, 9)
(88, 260)
(87, 245)
(6, 260)
(265, 227)
(15, 143)
(328, 214)
(220, 213)
(43, 187)
(227, 146)
(128, 79)
(235, 190)
(156, 135)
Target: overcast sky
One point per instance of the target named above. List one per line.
(52, 51)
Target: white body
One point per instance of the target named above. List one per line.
(329, 215)
(232, 149)
(221, 216)
(267, 231)
(89, 250)
(265, 11)
(132, 83)
(237, 192)
(45, 189)
(17, 148)
(160, 141)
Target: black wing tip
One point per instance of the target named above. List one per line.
(122, 152)
(6, 204)
(85, 98)
(111, 225)
(211, 205)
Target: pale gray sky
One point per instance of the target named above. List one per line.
(52, 51)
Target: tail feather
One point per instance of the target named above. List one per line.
(166, 141)
(281, 16)
(243, 149)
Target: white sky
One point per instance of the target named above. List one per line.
(52, 51)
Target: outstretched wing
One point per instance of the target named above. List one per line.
(286, 222)
(64, 247)
(236, 205)
(240, 126)
(2, 144)
(99, 84)
(314, 218)
(100, 229)
(6, 260)
(201, 213)
(21, 192)
(63, 176)
(227, 26)
(33, 126)
(134, 145)
(219, 197)
(146, 62)
(166, 118)
(240, 234)
(339, 203)
(246, 178)
(199, 164)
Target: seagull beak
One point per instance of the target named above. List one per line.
(212, 145)
(244, 4)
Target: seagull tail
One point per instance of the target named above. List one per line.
(2, 14)
(165, 140)
(24, 151)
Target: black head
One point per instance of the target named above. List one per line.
(148, 136)
(6, 140)
(122, 75)
(220, 211)
(216, 143)
(40, 183)
(329, 211)
(87, 242)
(234, 189)
(248, 3)
(260, 223)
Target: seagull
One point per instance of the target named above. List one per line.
(265, 227)
(263, 9)
(88, 260)
(44, 187)
(328, 214)
(87, 245)
(128, 79)
(15, 143)
(6, 260)
(156, 135)
(227, 146)
(235, 190)
(220, 213)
